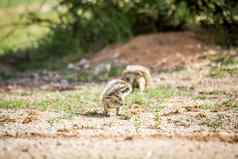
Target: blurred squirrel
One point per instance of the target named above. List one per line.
(113, 95)
(138, 76)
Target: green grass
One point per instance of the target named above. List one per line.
(157, 114)
(227, 104)
(137, 121)
(224, 65)
(69, 101)
(166, 92)
(75, 101)
(13, 104)
(230, 103)
(211, 94)
(208, 106)
(115, 71)
(82, 100)
(222, 71)
(150, 98)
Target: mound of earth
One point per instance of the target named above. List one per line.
(159, 51)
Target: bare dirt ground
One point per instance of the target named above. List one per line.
(160, 51)
(201, 122)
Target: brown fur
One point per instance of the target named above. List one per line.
(138, 76)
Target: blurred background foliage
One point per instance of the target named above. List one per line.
(62, 27)
(95, 23)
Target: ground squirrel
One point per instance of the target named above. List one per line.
(113, 95)
(138, 76)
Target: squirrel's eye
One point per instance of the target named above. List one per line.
(139, 74)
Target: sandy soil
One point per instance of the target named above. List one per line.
(110, 148)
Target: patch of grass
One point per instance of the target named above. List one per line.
(166, 92)
(230, 103)
(157, 114)
(85, 76)
(58, 119)
(13, 104)
(43, 105)
(115, 71)
(201, 96)
(214, 123)
(139, 99)
(136, 121)
(72, 102)
(86, 98)
(151, 98)
(69, 101)
(82, 100)
(222, 71)
(208, 106)
(224, 64)
(161, 92)
(223, 58)
(207, 94)
(227, 104)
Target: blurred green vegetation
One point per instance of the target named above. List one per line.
(18, 32)
(49, 30)
(13, 3)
